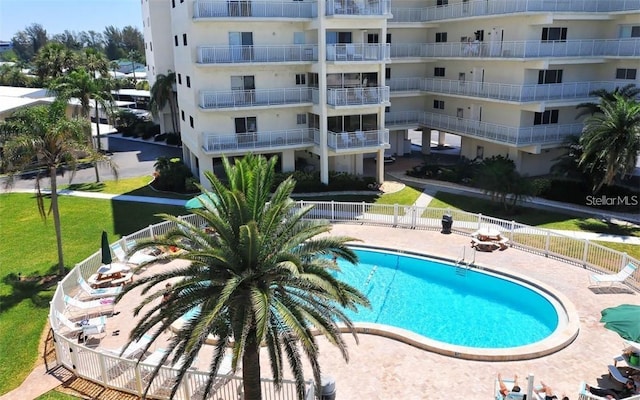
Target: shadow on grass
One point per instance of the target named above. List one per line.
(88, 187)
(605, 226)
(38, 288)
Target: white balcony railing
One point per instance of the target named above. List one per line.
(359, 52)
(255, 97)
(518, 136)
(358, 96)
(254, 9)
(263, 140)
(476, 8)
(226, 54)
(520, 49)
(358, 7)
(501, 91)
(357, 139)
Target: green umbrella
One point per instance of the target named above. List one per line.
(199, 201)
(106, 250)
(624, 320)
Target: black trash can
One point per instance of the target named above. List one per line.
(447, 222)
(328, 390)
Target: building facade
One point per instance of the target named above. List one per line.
(327, 84)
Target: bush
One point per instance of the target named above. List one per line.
(577, 192)
(309, 182)
(172, 175)
(160, 138)
(174, 139)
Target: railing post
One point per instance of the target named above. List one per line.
(364, 205)
(625, 259)
(151, 232)
(103, 368)
(395, 214)
(479, 220)
(333, 210)
(547, 242)
(585, 253)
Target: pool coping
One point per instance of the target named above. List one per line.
(565, 333)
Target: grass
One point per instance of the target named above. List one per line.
(138, 186)
(55, 395)
(24, 305)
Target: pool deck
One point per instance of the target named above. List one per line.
(381, 368)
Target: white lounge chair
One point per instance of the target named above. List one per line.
(138, 258)
(98, 306)
(98, 293)
(511, 395)
(97, 324)
(620, 277)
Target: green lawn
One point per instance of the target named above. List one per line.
(29, 249)
(138, 186)
(55, 395)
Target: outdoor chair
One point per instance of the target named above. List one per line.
(611, 279)
(97, 324)
(92, 307)
(97, 293)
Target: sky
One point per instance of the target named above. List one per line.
(74, 15)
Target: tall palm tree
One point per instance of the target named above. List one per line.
(53, 60)
(44, 135)
(163, 94)
(611, 139)
(264, 279)
(629, 91)
(88, 89)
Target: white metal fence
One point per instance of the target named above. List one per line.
(126, 375)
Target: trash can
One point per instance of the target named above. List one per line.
(328, 390)
(447, 222)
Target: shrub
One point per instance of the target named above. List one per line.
(173, 139)
(309, 182)
(171, 175)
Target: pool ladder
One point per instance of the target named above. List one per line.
(373, 271)
(462, 265)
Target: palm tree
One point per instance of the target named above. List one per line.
(611, 139)
(45, 135)
(629, 91)
(264, 279)
(86, 88)
(162, 93)
(53, 60)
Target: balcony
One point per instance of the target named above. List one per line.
(257, 54)
(517, 136)
(255, 98)
(476, 8)
(257, 141)
(254, 9)
(340, 141)
(500, 91)
(520, 49)
(359, 96)
(366, 52)
(358, 7)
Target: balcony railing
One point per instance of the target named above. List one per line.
(263, 140)
(359, 52)
(253, 98)
(501, 91)
(254, 9)
(521, 49)
(519, 136)
(358, 96)
(497, 7)
(257, 54)
(358, 7)
(357, 139)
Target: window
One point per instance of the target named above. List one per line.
(438, 71)
(184, 39)
(438, 104)
(460, 112)
(191, 121)
(301, 119)
(173, 3)
(441, 3)
(182, 114)
(387, 73)
(179, 79)
(301, 79)
(462, 77)
(628, 31)
(479, 152)
(545, 118)
(554, 34)
(175, 40)
(150, 46)
(181, 1)
(549, 76)
(626, 73)
(188, 81)
(246, 128)
(441, 37)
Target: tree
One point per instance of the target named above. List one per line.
(71, 40)
(263, 278)
(163, 94)
(611, 139)
(28, 42)
(53, 60)
(44, 135)
(113, 43)
(82, 85)
(11, 75)
(497, 177)
(133, 40)
(629, 91)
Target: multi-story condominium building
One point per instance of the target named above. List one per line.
(329, 83)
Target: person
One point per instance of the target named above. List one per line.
(548, 392)
(167, 294)
(628, 390)
(504, 391)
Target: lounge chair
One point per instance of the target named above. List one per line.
(584, 394)
(511, 395)
(138, 258)
(97, 324)
(620, 277)
(98, 293)
(98, 306)
(615, 373)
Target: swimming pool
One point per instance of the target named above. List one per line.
(459, 311)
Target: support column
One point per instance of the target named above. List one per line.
(322, 89)
(288, 161)
(380, 166)
(359, 164)
(441, 138)
(426, 141)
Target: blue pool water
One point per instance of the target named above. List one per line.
(430, 298)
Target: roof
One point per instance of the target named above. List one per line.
(12, 91)
(8, 103)
(133, 92)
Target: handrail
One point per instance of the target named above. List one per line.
(95, 366)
